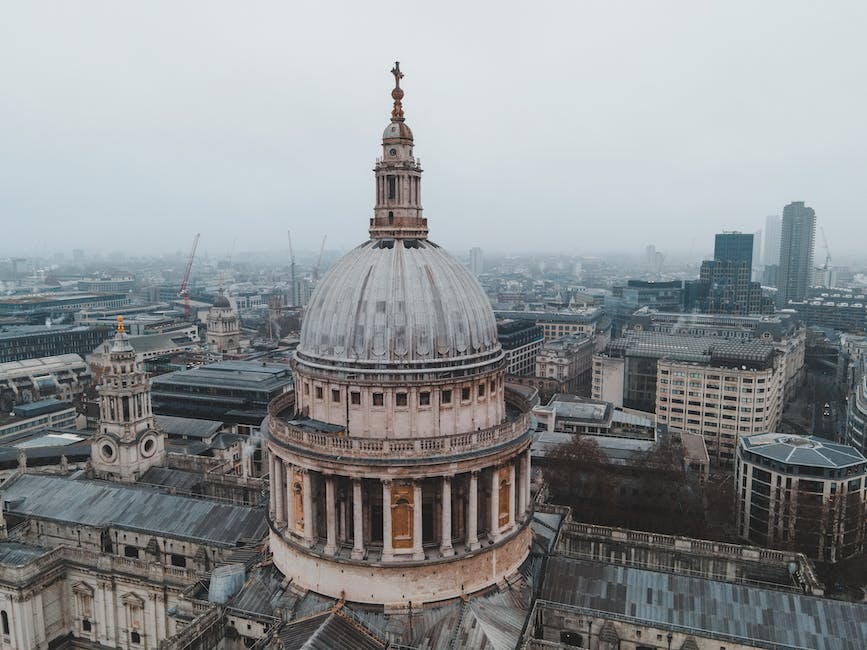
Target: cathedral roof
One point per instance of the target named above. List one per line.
(399, 302)
(133, 507)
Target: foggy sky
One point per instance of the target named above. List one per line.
(573, 126)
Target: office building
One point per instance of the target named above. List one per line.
(856, 404)
(757, 248)
(725, 283)
(64, 377)
(37, 307)
(734, 247)
(796, 252)
(772, 232)
(625, 300)
(784, 331)
(718, 388)
(803, 493)
(838, 311)
(234, 392)
(521, 341)
(36, 416)
(590, 321)
(566, 363)
(22, 342)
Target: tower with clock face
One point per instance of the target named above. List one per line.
(127, 443)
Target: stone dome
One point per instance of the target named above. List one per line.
(222, 302)
(397, 130)
(399, 302)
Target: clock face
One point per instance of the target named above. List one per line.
(392, 152)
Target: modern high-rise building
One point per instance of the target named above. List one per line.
(734, 247)
(725, 283)
(477, 261)
(796, 252)
(757, 248)
(771, 254)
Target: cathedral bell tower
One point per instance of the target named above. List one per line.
(127, 443)
(397, 214)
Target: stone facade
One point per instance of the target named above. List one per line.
(722, 404)
(127, 442)
(224, 327)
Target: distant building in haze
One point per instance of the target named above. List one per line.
(796, 252)
(773, 228)
(477, 261)
(757, 248)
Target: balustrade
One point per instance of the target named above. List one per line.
(392, 447)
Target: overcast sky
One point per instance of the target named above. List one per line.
(573, 126)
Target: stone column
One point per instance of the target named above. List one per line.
(330, 517)
(472, 539)
(308, 509)
(494, 502)
(417, 530)
(279, 492)
(522, 493)
(528, 480)
(446, 526)
(273, 484)
(387, 549)
(512, 487)
(357, 521)
(291, 516)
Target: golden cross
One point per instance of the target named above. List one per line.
(398, 75)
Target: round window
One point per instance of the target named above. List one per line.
(148, 446)
(107, 451)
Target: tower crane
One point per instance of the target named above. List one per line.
(184, 291)
(292, 267)
(827, 250)
(319, 261)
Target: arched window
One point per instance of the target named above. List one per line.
(4, 618)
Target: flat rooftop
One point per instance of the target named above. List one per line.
(13, 554)
(810, 451)
(699, 349)
(138, 508)
(249, 375)
(739, 613)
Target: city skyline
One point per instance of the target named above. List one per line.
(240, 132)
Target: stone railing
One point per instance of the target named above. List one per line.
(205, 631)
(339, 445)
(573, 533)
(111, 564)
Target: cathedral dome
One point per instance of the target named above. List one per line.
(403, 301)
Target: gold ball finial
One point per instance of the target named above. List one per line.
(120, 329)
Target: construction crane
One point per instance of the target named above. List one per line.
(827, 250)
(184, 292)
(319, 261)
(292, 268)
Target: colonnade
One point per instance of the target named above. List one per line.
(399, 518)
